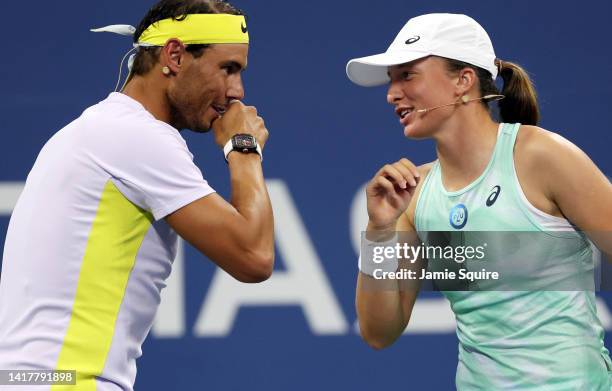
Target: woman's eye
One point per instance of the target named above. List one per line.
(406, 75)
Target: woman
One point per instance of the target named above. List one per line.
(488, 176)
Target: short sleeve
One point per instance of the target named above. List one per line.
(151, 165)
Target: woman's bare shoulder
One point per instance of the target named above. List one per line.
(538, 144)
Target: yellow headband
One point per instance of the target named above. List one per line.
(197, 29)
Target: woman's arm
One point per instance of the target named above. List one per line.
(383, 308)
(569, 180)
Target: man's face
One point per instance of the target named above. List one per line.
(201, 92)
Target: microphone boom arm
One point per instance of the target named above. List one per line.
(464, 100)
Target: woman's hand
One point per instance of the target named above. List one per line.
(389, 193)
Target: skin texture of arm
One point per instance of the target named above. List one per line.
(384, 312)
(238, 236)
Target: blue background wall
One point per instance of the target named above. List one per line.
(327, 138)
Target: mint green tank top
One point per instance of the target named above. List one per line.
(517, 339)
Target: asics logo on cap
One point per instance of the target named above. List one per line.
(412, 39)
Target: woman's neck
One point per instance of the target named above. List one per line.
(465, 146)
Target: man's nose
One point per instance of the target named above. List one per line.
(235, 88)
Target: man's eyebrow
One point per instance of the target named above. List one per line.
(234, 65)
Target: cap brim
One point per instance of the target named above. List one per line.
(372, 71)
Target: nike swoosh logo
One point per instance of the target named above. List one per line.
(243, 28)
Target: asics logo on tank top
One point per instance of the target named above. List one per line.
(493, 197)
(458, 216)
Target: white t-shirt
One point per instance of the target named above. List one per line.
(87, 249)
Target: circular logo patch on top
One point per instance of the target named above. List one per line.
(458, 216)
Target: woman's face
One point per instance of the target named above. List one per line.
(422, 84)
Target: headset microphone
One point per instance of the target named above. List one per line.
(464, 99)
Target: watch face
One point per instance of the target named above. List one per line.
(244, 141)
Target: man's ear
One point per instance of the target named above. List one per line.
(172, 54)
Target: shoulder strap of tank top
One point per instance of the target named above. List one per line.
(430, 180)
(507, 141)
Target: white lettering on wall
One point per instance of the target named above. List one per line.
(303, 282)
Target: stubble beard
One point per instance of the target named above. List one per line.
(180, 109)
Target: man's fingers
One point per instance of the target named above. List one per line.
(234, 105)
(232, 102)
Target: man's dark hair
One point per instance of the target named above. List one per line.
(147, 57)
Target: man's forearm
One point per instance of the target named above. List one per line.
(250, 198)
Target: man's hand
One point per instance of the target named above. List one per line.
(239, 235)
(239, 119)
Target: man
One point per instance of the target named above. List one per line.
(93, 235)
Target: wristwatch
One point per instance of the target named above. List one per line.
(244, 143)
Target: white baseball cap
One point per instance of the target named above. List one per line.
(453, 36)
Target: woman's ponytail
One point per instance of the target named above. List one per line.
(521, 102)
